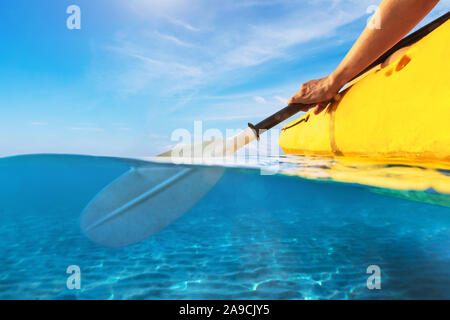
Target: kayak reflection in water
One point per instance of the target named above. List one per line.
(392, 21)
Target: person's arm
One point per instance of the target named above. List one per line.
(396, 19)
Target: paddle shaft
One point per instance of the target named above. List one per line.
(278, 117)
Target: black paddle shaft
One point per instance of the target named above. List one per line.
(278, 117)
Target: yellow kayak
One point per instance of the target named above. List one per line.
(398, 109)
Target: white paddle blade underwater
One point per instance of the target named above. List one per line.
(145, 200)
(148, 198)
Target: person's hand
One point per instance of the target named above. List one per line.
(316, 93)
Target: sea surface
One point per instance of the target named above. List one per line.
(277, 228)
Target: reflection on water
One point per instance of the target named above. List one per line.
(252, 236)
(433, 178)
(392, 174)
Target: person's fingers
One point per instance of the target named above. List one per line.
(300, 97)
(320, 107)
(296, 98)
(291, 101)
(309, 107)
(313, 92)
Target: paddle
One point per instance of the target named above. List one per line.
(149, 197)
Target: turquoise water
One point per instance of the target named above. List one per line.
(251, 237)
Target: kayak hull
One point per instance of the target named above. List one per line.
(397, 110)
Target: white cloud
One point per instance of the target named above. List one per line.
(157, 7)
(269, 41)
(260, 99)
(158, 136)
(85, 124)
(138, 71)
(86, 129)
(173, 39)
(157, 67)
(185, 25)
(39, 123)
(281, 99)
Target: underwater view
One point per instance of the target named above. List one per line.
(310, 231)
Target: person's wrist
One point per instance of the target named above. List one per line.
(338, 80)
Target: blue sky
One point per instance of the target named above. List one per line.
(139, 69)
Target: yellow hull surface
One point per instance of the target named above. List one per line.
(401, 110)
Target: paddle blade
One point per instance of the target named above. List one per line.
(145, 200)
